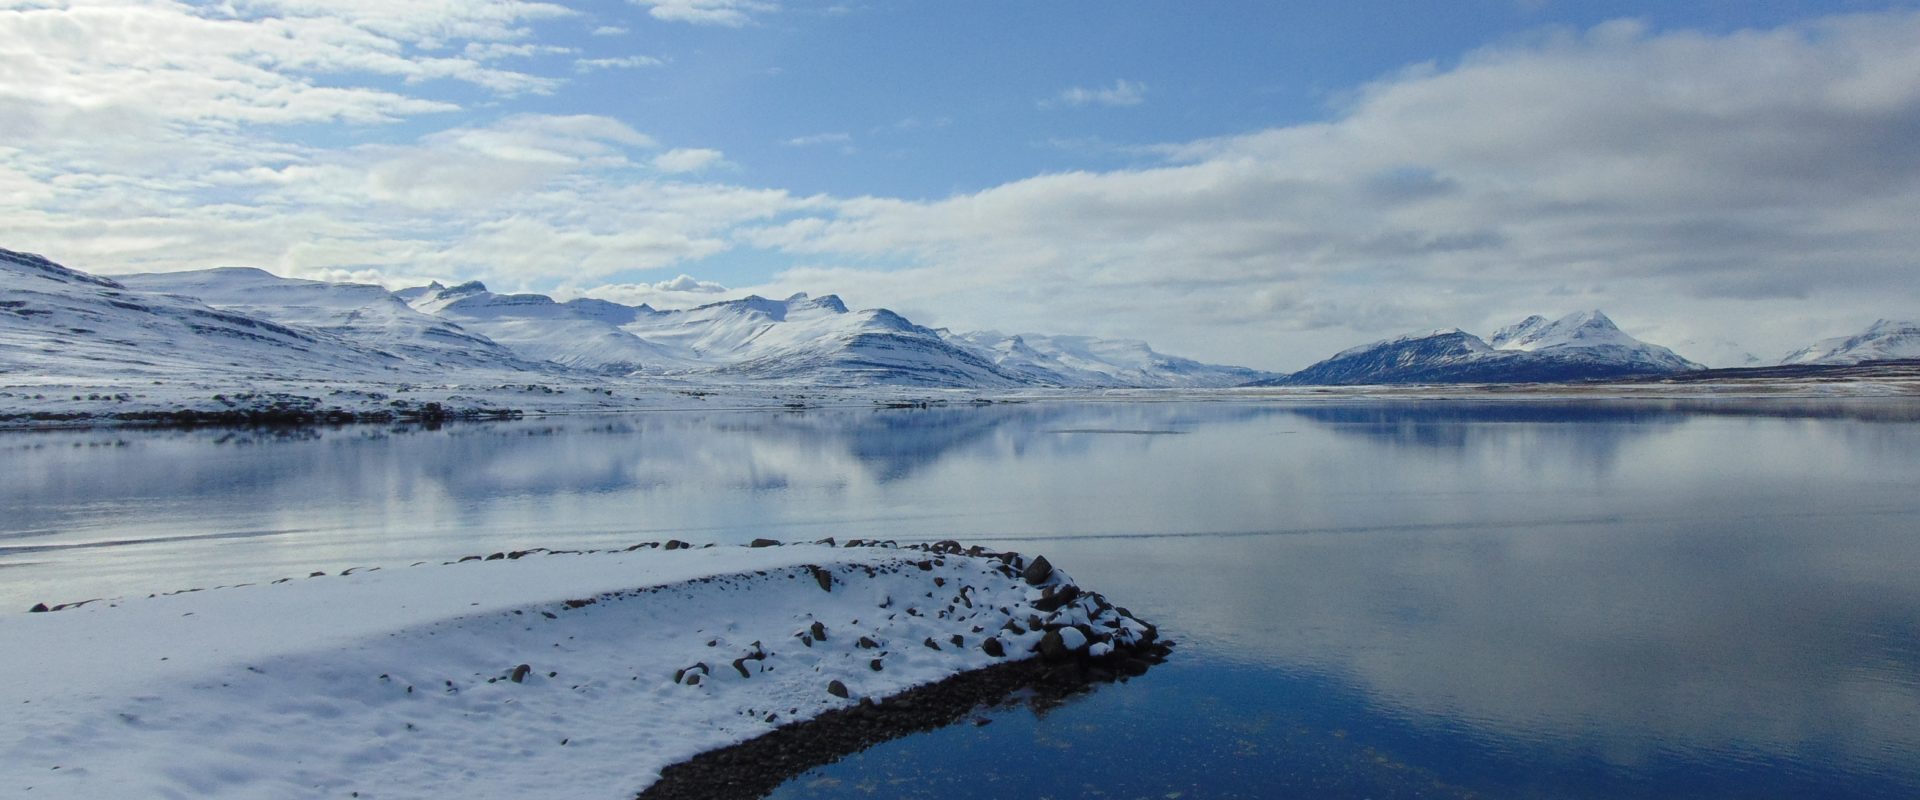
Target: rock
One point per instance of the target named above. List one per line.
(764, 543)
(866, 643)
(875, 664)
(1052, 647)
(819, 632)
(520, 673)
(741, 665)
(38, 608)
(1072, 639)
(1056, 597)
(838, 689)
(931, 644)
(993, 647)
(1037, 572)
(823, 577)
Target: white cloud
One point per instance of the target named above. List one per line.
(730, 13)
(1121, 93)
(1741, 186)
(817, 139)
(681, 292)
(621, 62)
(609, 30)
(688, 159)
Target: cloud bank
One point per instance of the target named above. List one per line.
(1758, 186)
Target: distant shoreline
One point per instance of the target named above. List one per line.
(270, 402)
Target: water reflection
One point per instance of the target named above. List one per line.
(1515, 599)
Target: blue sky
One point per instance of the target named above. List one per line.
(1254, 182)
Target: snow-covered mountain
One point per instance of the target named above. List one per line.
(1720, 353)
(57, 322)
(1085, 361)
(1589, 337)
(366, 315)
(582, 334)
(800, 339)
(1582, 346)
(1885, 340)
(238, 322)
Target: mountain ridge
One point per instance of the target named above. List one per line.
(423, 331)
(1584, 345)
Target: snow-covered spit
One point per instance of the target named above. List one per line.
(526, 674)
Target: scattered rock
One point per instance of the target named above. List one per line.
(38, 608)
(838, 689)
(1037, 572)
(520, 673)
(993, 647)
(1052, 647)
(764, 543)
(1055, 597)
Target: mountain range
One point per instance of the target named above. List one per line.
(237, 322)
(61, 321)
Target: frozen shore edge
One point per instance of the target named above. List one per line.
(660, 657)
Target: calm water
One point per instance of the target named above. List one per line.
(1400, 599)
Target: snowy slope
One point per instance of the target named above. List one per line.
(1885, 340)
(402, 682)
(801, 339)
(1440, 356)
(1582, 346)
(582, 334)
(60, 323)
(320, 331)
(1588, 336)
(366, 315)
(1086, 361)
(817, 340)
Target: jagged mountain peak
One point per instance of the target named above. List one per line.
(463, 289)
(237, 321)
(1579, 329)
(1579, 346)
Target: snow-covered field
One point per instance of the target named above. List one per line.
(409, 681)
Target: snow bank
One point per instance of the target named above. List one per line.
(553, 675)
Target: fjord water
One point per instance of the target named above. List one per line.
(1373, 599)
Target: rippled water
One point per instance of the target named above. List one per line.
(1405, 599)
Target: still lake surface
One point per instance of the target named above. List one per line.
(1372, 599)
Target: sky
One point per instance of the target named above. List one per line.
(1255, 183)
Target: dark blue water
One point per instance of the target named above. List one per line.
(1401, 599)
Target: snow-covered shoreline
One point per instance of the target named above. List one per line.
(409, 681)
(53, 403)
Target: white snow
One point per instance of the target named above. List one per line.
(1086, 361)
(238, 324)
(1884, 340)
(1586, 334)
(397, 682)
